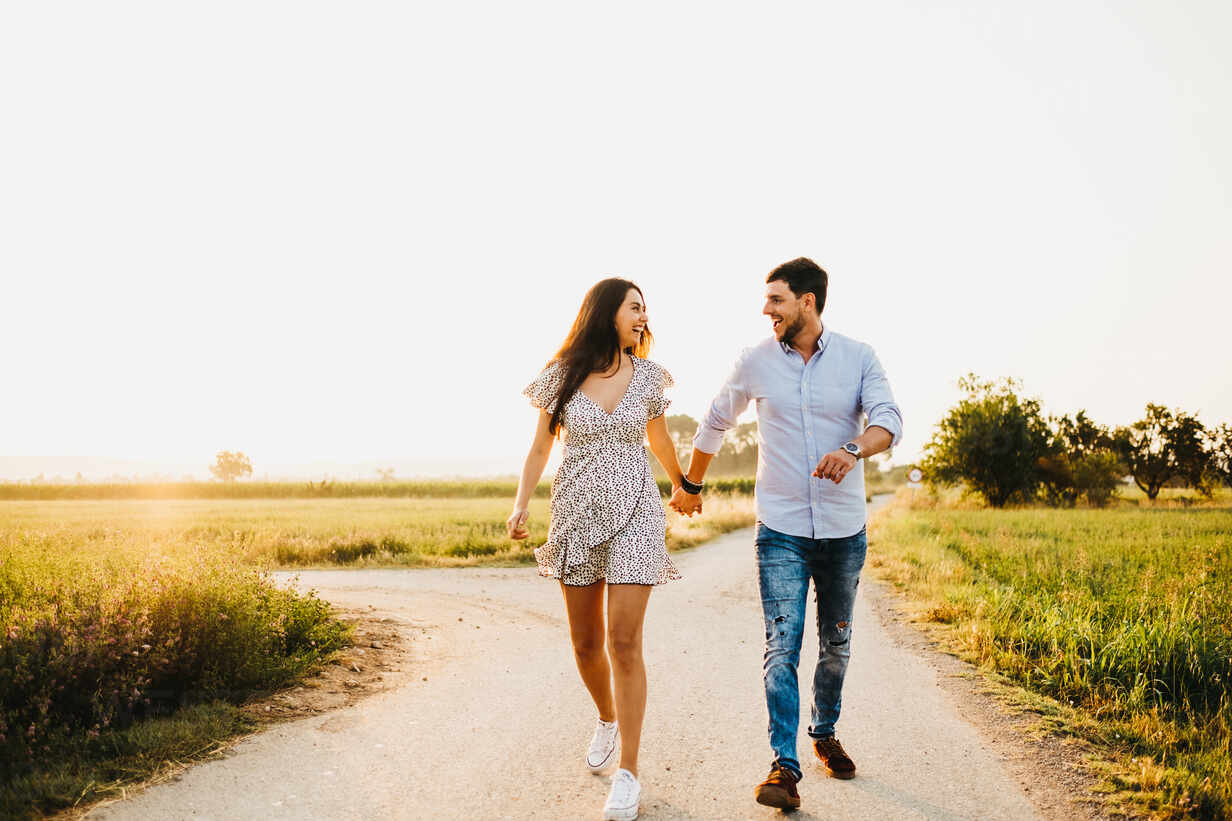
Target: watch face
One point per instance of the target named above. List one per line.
(852, 448)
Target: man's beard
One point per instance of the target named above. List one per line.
(789, 332)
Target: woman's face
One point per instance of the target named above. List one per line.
(631, 319)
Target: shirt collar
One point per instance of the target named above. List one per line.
(822, 341)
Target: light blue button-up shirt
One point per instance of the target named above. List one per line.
(804, 411)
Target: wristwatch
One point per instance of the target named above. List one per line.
(853, 449)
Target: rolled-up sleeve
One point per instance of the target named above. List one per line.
(725, 409)
(876, 398)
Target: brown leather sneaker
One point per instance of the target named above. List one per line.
(778, 790)
(837, 763)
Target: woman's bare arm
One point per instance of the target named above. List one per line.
(532, 471)
(663, 448)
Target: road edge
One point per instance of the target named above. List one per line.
(1054, 771)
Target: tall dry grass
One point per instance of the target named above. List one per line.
(97, 636)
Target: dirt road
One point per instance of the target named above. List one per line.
(490, 720)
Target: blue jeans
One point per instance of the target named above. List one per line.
(785, 564)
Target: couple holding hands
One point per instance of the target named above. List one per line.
(814, 389)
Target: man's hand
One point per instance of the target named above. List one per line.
(835, 465)
(684, 503)
(516, 523)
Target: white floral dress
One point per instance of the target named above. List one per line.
(607, 515)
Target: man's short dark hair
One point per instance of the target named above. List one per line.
(803, 276)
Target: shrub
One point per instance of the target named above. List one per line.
(82, 652)
(1079, 462)
(992, 440)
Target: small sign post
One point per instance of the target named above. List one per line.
(915, 477)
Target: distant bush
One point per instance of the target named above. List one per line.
(740, 485)
(992, 440)
(1079, 462)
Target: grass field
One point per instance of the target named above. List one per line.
(287, 533)
(324, 489)
(130, 628)
(1121, 619)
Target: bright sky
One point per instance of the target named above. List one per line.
(340, 235)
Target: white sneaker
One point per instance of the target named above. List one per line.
(603, 745)
(623, 799)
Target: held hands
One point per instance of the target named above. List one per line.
(516, 523)
(835, 465)
(684, 503)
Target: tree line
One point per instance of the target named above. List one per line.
(736, 457)
(1003, 446)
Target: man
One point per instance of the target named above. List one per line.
(813, 387)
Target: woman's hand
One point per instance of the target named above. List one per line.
(516, 523)
(685, 503)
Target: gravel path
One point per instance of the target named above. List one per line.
(491, 720)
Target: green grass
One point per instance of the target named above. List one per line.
(1122, 617)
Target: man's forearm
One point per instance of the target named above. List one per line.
(698, 462)
(873, 441)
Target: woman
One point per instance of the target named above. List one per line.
(607, 528)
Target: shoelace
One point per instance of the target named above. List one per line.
(830, 746)
(781, 774)
(623, 787)
(602, 739)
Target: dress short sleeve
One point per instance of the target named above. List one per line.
(544, 390)
(656, 402)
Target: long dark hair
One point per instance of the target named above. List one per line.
(593, 343)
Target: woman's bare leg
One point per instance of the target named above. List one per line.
(626, 611)
(585, 608)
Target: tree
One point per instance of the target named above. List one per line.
(230, 466)
(682, 428)
(1193, 460)
(1164, 445)
(736, 457)
(1080, 462)
(992, 440)
(385, 474)
(1220, 442)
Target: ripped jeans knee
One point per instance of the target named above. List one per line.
(784, 635)
(835, 643)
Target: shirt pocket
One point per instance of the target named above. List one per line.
(840, 396)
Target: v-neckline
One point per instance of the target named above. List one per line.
(623, 396)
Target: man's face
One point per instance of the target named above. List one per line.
(785, 310)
